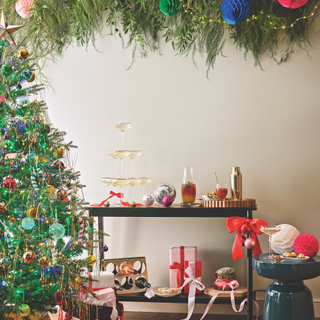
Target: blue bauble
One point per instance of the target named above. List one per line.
(48, 269)
(26, 74)
(23, 100)
(235, 11)
(27, 223)
(42, 219)
(57, 270)
(57, 230)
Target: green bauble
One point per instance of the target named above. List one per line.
(57, 230)
(26, 74)
(24, 310)
(6, 70)
(170, 7)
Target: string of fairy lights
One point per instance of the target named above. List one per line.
(203, 20)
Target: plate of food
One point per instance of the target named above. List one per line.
(293, 256)
(167, 292)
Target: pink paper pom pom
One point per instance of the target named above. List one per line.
(307, 244)
(22, 7)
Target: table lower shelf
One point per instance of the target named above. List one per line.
(180, 298)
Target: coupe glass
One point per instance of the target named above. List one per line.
(133, 182)
(144, 181)
(222, 190)
(108, 182)
(134, 154)
(270, 230)
(123, 126)
(121, 182)
(113, 155)
(121, 154)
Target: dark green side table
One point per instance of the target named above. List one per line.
(287, 298)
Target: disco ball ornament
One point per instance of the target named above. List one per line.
(170, 7)
(22, 7)
(292, 4)
(148, 200)
(235, 11)
(283, 241)
(164, 189)
(57, 230)
(27, 223)
(307, 244)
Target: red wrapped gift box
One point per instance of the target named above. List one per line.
(178, 255)
(197, 274)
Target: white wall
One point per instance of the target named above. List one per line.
(266, 122)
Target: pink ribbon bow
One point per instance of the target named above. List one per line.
(233, 285)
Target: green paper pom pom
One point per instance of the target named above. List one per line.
(170, 7)
(6, 70)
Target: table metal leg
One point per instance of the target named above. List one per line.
(100, 227)
(249, 277)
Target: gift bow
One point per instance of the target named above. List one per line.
(233, 285)
(105, 298)
(113, 194)
(235, 223)
(194, 283)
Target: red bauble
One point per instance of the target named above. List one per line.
(9, 183)
(292, 4)
(167, 201)
(307, 244)
(58, 297)
(29, 257)
(250, 243)
(245, 228)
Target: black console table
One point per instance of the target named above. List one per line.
(182, 212)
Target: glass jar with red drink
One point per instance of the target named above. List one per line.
(222, 190)
(188, 187)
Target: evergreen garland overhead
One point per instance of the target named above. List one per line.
(198, 27)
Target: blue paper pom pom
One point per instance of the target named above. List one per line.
(235, 11)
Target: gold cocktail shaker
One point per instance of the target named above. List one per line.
(236, 183)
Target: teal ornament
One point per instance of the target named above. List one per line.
(235, 11)
(6, 70)
(26, 74)
(170, 7)
(27, 223)
(57, 230)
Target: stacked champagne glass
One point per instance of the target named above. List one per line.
(123, 181)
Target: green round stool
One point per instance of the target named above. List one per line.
(287, 298)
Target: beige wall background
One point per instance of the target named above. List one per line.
(266, 122)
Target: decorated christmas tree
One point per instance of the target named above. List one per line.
(44, 227)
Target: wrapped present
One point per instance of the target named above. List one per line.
(178, 255)
(196, 266)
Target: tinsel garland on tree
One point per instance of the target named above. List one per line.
(198, 27)
(44, 226)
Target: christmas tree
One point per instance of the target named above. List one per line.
(43, 223)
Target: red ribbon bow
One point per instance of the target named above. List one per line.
(119, 195)
(235, 223)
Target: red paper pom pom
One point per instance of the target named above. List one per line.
(292, 4)
(307, 244)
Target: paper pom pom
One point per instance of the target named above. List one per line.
(283, 240)
(307, 244)
(22, 7)
(235, 11)
(292, 4)
(170, 7)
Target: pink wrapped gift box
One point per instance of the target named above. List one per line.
(178, 255)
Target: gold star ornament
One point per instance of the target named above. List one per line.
(5, 30)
